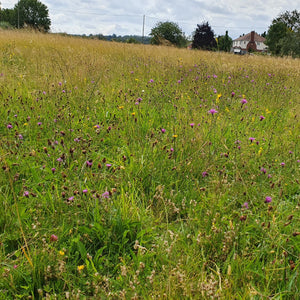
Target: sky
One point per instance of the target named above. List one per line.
(133, 17)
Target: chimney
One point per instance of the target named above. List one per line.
(252, 36)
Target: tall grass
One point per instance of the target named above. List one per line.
(133, 171)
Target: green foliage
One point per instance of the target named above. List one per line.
(32, 13)
(283, 35)
(165, 33)
(224, 42)
(203, 38)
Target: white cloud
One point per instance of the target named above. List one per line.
(126, 17)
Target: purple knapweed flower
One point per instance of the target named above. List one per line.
(84, 191)
(105, 195)
(89, 163)
(163, 130)
(71, 198)
(263, 170)
(53, 238)
(245, 205)
(53, 170)
(151, 80)
(108, 166)
(192, 124)
(232, 94)
(252, 139)
(39, 123)
(282, 164)
(204, 174)
(261, 118)
(244, 101)
(59, 159)
(20, 136)
(9, 126)
(268, 199)
(179, 81)
(172, 149)
(26, 194)
(212, 111)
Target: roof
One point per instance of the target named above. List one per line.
(247, 37)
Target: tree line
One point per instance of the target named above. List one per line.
(282, 38)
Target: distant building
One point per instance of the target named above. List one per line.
(250, 42)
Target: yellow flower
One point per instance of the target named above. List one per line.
(80, 268)
(121, 107)
(175, 135)
(25, 124)
(267, 111)
(133, 114)
(61, 252)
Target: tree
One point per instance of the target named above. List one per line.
(224, 42)
(32, 13)
(203, 38)
(283, 36)
(166, 33)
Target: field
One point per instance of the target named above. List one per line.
(143, 172)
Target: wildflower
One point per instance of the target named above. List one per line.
(89, 163)
(172, 149)
(53, 238)
(15, 266)
(71, 198)
(61, 252)
(59, 159)
(192, 125)
(133, 114)
(263, 170)
(261, 118)
(26, 194)
(163, 130)
(268, 199)
(244, 101)
(151, 80)
(20, 136)
(252, 139)
(97, 126)
(39, 123)
(179, 81)
(121, 107)
(53, 170)
(175, 136)
(204, 174)
(80, 268)
(245, 205)
(85, 191)
(282, 164)
(105, 195)
(108, 166)
(212, 111)
(9, 126)
(232, 94)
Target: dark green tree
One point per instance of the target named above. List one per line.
(283, 35)
(224, 42)
(168, 33)
(203, 38)
(32, 13)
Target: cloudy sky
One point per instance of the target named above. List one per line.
(126, 17)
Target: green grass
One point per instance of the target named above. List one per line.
(116, 181)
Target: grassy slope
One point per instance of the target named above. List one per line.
(99, 201)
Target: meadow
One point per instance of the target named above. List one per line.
(146, 172)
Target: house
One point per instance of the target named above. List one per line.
(249, 43)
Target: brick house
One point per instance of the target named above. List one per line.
(249, 42)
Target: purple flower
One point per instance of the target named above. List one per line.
(20, 136)
(252, 139)
(268, 199)
(263, 170)
(105, 195)
(282, 164)
(85, 191)
(232, 94)
(39, 123)
(245, 205)
(53, 170)
(261, 118)
(9, 126)
(151, 80)
(172, 149)
(59, 159)
(163, 130)
(192, 125)
(89, 163)
(244, 101)
(179, 81)
(26, 194)
(212, 111)
(204, 174)
(71, 198)
(108, 166)
(53, 238)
